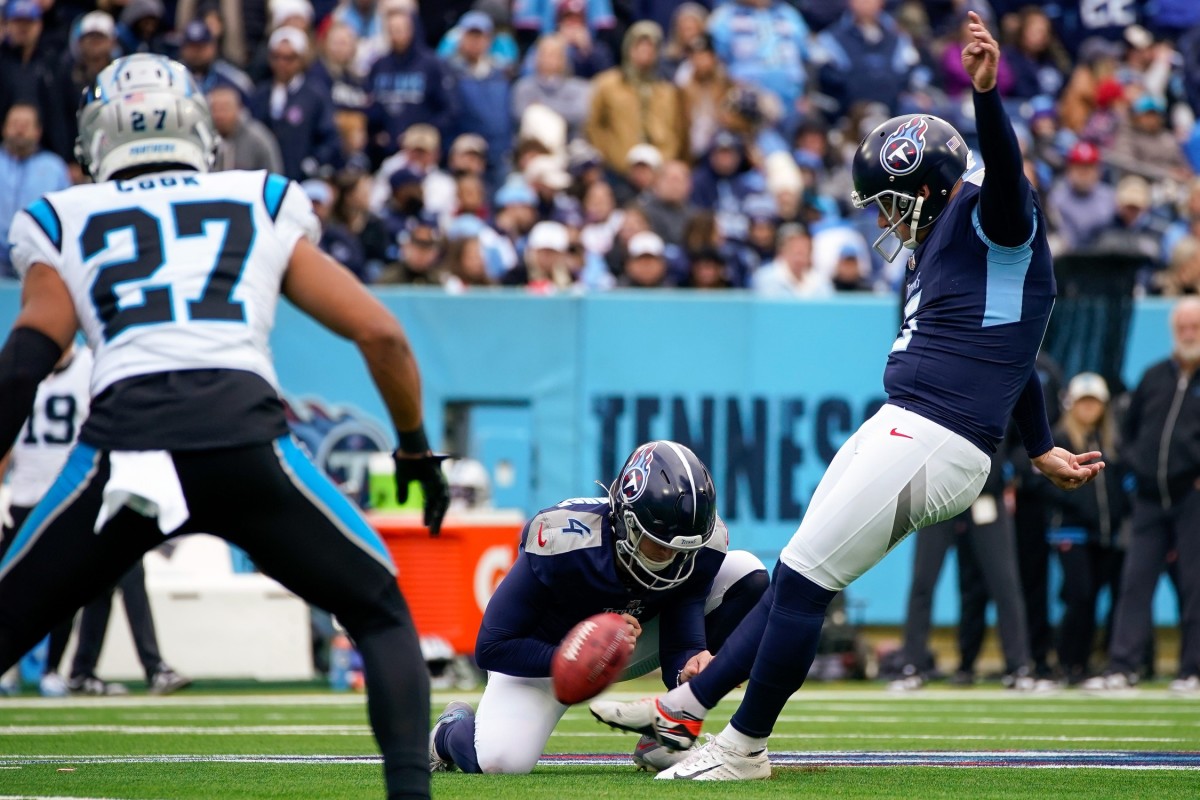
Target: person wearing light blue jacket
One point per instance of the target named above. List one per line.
(763, 43)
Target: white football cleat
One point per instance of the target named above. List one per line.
(716, 760)
(1185, 687)
(1116, 684)
(671, 728)
(651, 756)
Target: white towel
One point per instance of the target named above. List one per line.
(146, 482)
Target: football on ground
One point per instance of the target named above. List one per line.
(590, 657)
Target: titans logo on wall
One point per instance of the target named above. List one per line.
(633, 480)
(339, 439)
(902, 151)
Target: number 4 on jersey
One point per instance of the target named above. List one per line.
(214, 303)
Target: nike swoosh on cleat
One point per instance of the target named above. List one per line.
(695, 774)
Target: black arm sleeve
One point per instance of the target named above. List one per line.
(1006, 198)
(27, 358)
(1030, 416)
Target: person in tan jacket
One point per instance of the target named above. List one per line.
(632, 104)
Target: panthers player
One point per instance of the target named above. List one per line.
(174, 274)
(653, 550)
(980, 289)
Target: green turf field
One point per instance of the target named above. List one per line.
(142, 747)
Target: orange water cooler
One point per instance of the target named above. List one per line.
(449, 579)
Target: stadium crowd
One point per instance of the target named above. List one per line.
(586, 144)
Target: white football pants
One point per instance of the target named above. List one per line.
(898, 473)
(517, 715)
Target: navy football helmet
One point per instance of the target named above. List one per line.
(896, 160)
(664, 494)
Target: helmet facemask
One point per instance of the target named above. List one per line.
(654, 575)
(901, 209)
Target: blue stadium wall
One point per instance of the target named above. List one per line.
(562, 388)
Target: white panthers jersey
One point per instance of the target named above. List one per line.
(171, 271)
(58, 413)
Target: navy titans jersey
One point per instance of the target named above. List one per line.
(566, 571)
(974, 319)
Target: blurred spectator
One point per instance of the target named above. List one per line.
(1182, 276)
(143, 28)
(1133, 231)
(1046, 141)
(236, 24)
(1148, 65)
(408, 85)
(1092, 84)
(464, 265)
(763, 43)
(631, 104)
(1085, 530)
(587, 56)
(1081, 202)
(420, 254)
(955, 80)
(724, 180)
(92, 48)
(601, 218)
(1078, 23)
(245, 142)
(26, 173)
(633, 222)
(407, 202)
(468, 156)
(704, 84)
(1036, 59)
(296, 14)
(707, 270)
(667, 207)
(645, 263)
(1146, 146)
(420, 151)
(297, 113)
(471, 196)
(336, 240)
(27, 74)
(544, 266)
(791, 273)
(351, 211)
(552, 85)
(502, 51)
(1160, 431)
(198, 52)
(549, 182)
(686, 24)
(864, 57)
(758, 248)
(532, 18)
(334, 68)
(483, 91)
(644, 162)
(1188, 223)
(516, 211)
(362, 17)
(848, 275)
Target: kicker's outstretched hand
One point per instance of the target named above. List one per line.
(981, 56)
(1066, 470)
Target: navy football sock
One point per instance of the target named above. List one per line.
(787, 650)
(456, 741)
(733, 661)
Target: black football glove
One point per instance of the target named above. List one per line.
(426, 470)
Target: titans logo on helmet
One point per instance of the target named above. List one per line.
(633, 480)
(902, 150)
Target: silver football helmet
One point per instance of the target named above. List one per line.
(144, 109)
